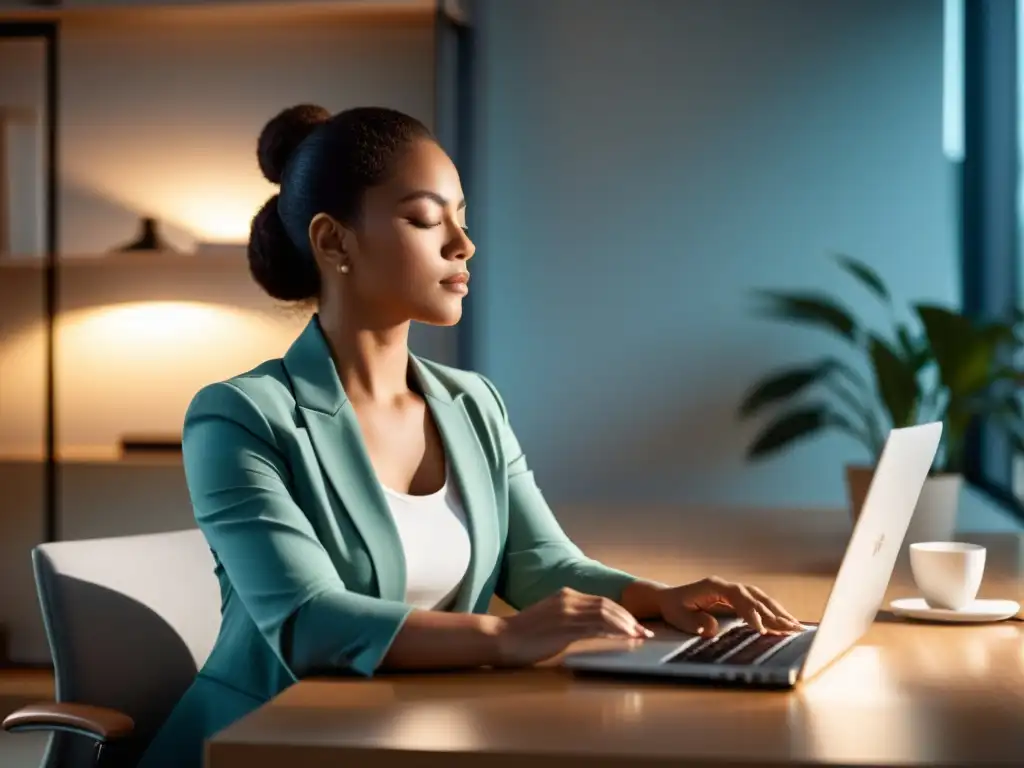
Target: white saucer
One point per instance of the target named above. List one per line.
(978, 611)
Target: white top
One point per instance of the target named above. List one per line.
(436, 542)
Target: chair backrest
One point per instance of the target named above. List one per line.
(130, 620)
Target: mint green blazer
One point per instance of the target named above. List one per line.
(311, 569)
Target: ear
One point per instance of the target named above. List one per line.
(330, 239)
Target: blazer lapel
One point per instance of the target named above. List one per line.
(337, 440)
(469, 467)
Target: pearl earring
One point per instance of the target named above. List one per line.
(343, 268)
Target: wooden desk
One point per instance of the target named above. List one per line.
(908, 694)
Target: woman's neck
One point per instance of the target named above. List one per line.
(372, 363)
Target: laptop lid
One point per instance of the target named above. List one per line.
(863, 577)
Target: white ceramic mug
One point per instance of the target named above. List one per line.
(948, 573)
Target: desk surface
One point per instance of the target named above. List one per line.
(907, 694)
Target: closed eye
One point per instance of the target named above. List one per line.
(431, 225)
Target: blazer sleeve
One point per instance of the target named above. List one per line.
(539, 558)
(238, 483)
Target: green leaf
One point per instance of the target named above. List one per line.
(916, 354)
(795, 425)
(957, 421)
(810, 309)
(867, 276)
(966, 354)
(855, 379)
(1016, 441)
(871, 434)
(896, 380)
(1008, 374)
(905, 342)
(947, 333)
(981, 365)
(787, 383)
(1005, 407)
(779, 386)
(786, 429)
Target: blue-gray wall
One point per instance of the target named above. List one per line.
(643, 165)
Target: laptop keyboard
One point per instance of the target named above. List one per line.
(739, 645)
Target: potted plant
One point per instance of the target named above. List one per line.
(945, 367)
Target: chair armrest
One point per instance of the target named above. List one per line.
(99, 723)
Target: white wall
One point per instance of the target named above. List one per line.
(177, 134)
(644, 166)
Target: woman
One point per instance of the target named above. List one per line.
(363, 504)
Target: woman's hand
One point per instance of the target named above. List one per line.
(689, 607)
(546, 628)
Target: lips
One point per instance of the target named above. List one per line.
(462, 278)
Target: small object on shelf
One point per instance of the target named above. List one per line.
(150, 445)
(149, 238)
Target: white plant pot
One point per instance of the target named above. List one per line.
(936, 511)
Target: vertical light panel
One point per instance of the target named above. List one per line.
(453, 110)
(953, 80)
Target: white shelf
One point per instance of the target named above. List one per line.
(93, 455)
(233, 12)
(230, 256)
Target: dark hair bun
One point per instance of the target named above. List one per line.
(275, 263)
(283, 134)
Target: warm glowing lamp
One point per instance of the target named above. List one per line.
(136, 366)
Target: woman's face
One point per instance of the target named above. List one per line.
(408, 256)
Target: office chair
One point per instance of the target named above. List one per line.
(129, 620)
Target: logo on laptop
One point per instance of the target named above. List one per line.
(878, 545)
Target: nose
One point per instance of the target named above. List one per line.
(460, 247)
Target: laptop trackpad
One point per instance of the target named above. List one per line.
(651, 652)
(666, 643)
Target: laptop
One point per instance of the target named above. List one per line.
(737, 654)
